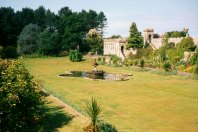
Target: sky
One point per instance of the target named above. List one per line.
(161, 15)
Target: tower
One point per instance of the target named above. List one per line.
(148, 36)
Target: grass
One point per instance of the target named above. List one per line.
(146, 102)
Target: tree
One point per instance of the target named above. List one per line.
(27, 39)
(24, 17)
(40, 17)
(8, 32)
(102, 20)
(95, 41)
(48, 42)
(20, 96)
(186, 44)
(135, 39)
(93, 110)
(51, 20)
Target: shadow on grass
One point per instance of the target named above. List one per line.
(53, 118)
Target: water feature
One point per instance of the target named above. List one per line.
(97, 75)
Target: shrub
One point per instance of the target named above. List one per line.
(75, 56)
(142, 63)
(99, 58)
(195, 69)
(10, 52)
(20, 96)
(115, 59)
(135, 62)
(165, 73)
(1, 51)
(106, 127)
(186, 44)
(194, 59)
(166, 66)
(63, 53)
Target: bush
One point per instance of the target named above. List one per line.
(75, 56)
(106, 127)
(195, 69)
(142, 63)
(165, 73)
(135, 62)
(194, 59)
(20, 96)
(10, 52)
(1, 52)
(63, 53)
(166, 66)
(115, 59)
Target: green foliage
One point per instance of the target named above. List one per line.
(162, 54)
(115, 59)
(195, 69)
(75, 56)
(10, 52)
(194, 58)
(174, 55)
(95, 41)
(176, 34)
(48, 43)
(166, 66)
(70, 26)
(20, 96)
(135, 39)
(142, 63)
(186, 44)
(115, 36)
(27, 39)
(106, 127)
(1, 52)
(164, 73)
(8, 27)
(93, 110)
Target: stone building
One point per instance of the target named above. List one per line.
(118, 46)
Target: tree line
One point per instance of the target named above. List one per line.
(41, 31)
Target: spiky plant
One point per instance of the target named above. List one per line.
(93, 110)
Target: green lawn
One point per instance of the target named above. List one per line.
(147, 102)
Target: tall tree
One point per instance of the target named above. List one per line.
(24, 17)
(8, 34)
(40, 17)
(27, 39)
(135, 39)
(51, 20)
(102, 20)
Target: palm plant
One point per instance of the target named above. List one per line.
(93, 110)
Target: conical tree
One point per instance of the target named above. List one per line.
(135, 39)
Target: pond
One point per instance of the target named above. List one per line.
(91, 75)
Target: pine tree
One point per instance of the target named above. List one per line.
(135, 39)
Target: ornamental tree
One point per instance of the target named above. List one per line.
(95, 41)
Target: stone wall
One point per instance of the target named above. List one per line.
(157, 43)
